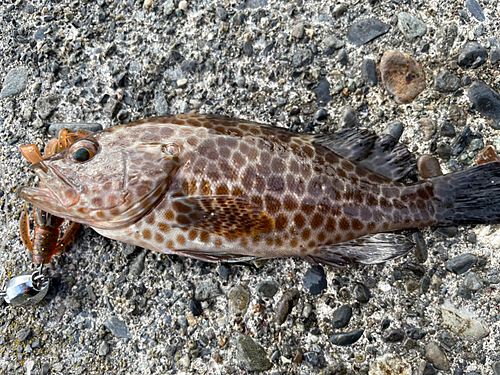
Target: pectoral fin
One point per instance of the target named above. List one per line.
(370, 249)
(224, 215)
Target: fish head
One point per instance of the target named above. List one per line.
(108, 180)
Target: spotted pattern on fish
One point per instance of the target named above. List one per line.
(215, 188)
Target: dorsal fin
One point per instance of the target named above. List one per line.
(380, 153)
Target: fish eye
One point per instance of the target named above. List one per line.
(83, 151)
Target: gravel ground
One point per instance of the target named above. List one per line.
(117, 309)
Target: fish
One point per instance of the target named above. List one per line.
(217, 188)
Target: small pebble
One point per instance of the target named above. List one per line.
(427, 128)
(457, 116)
(494, 55)
(361, 293)
(207, 290)
(411, 26)
(267, 289)
(24, 334)
(349, 118)
(475, 9)
(239, 297)
(315, 280)
(486, 101)
(341, 317)
(462, 141)
(420, 245)
(346, 338)
(395, 129)
(463, 323)
(488, 155)
(117, 327)
(447, 82)
(472, 281)
(428, 166)
(195, 307)
(14, 83)
(472, 56)
(394, 335)
(248, 49)
(461, 263)
(322, 92)
(311, 358)
(447, 130)
(286, 304)
(436, 356)
(369, 72)
(103, 349)
(252, 355)
(402, 76)
(366, 30)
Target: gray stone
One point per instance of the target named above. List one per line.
(395, 129)
(346, 338)
(46, 105)
(24, 334)
(369, 72)
(486, 101)
(494, 55)
(302, 58)
(137, 264)
(315, 280)
(286, 304)
(473, 282)
(341, 317)
(117, 327)
(472, 56)
(15, 82)
(103, 349)
(332, 41)
(447, 82)
(239, 298)
(496, 368)
(361, 293)
(349, 118)
(461, 264)
(447, 36)
(411, 26)
(475, 9)
(437, 356)
(298, 31)
(322, 92)
(56, 127)
(420, 247)
(206, 290)
(447, 130)
(366, 30)
(252, 355)
(267, 289)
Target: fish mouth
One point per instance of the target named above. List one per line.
(57, 191)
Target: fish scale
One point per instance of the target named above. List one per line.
(217, 188)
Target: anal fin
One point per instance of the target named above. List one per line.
(370, 249)
(214, 257)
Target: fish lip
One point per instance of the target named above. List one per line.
(57, 187)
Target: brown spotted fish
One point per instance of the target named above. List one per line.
(216, 188)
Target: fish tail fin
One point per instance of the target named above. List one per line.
(467, 197)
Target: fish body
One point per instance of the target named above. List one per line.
(217, 188)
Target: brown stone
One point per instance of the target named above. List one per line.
(402, 76)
